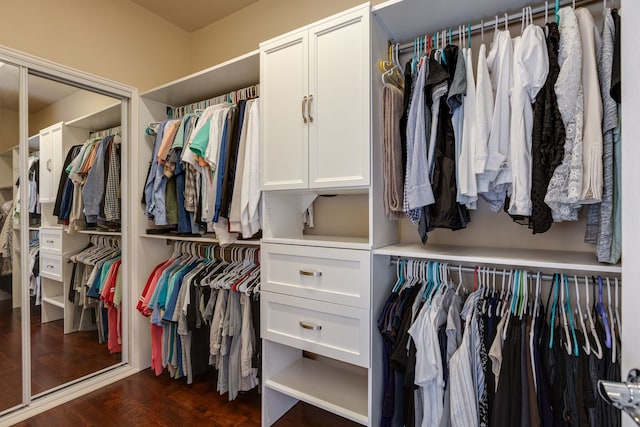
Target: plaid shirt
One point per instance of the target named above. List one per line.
(112, 190)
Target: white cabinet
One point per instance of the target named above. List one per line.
(315, 111)
(55, 141)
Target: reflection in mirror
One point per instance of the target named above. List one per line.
(10, 326)
(76, 275)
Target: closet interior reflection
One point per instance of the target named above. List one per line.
(73, 284)
(10, 332)
(76, 284)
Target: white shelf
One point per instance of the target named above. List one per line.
(340, 242)
(100, 233)
(332, 389)
(405, 20)
(105, 118)
(196, 239)
(527, 258)
(234, 74)
(57, 300)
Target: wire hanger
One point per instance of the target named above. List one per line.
(570, 313)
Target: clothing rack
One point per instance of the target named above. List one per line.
(106, 132)
(232, 97)
(114, 242)
(503, 271)
(536, 12)
(224, 254)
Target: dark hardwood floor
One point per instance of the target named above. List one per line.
(146, 400)
(56, 358)
(10, 356)
(142, 399)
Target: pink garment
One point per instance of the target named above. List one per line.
(156, 349)
(113, 342)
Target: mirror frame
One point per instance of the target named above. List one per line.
(31, 65)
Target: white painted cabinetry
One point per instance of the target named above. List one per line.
(315, 105)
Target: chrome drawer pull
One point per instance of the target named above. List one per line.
(49, 241)
(311, 273)
(304, 102)
(310, 326)
(50, 266)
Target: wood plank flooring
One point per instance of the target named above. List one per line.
(56, 358)
(146, 400)
(142, 399)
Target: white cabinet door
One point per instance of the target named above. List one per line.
(45, 186)
(339, 70)
(284, 87)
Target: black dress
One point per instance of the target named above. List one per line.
(547, 145)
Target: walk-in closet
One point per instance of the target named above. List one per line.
(394, 213)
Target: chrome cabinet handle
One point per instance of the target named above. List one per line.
(49, 165)
(309, 108)
(310, 326)
(49, 266)
(304, 102)
(49, 241)
(310, 273)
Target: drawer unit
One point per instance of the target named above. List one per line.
(339, 276)
(51, 240)
(51, 266)
(331, 330)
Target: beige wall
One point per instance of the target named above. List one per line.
(242, 31)
(73, 106)
(9, 122)
(111, 38)
(119, 40)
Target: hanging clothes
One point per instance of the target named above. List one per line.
(201, 313)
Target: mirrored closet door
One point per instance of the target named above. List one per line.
(10, 277)
(76, 274)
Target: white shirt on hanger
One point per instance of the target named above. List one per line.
(530, 70)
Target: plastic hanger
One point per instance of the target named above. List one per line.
(513, 304)
(598, 353)
(469, 35)
(587, 344)
(400, 275)
(603, 314)
(459, 280)
(496, 24)
(570, 313)
(565, 322)
(534, 319)
(617, 292)
(611, 323)
(482, 30)
(554, 306)
(556, 10)
(506, 22)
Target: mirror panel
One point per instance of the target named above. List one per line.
(10, 289)
(75, 315)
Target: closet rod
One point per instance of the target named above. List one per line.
(102, 133)
(251, 92)
(536, 11)
(499, 271)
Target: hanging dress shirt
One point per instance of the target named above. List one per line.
(530, 69)
(496, 180)
(467, 184)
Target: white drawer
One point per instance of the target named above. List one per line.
(340, 276)
(51, 240)
(331, 330)
(51, 266)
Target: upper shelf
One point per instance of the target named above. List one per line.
(524, 258)
(406, 19)
(234, 74)
(105, 118)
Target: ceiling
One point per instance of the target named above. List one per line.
(191, 15)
